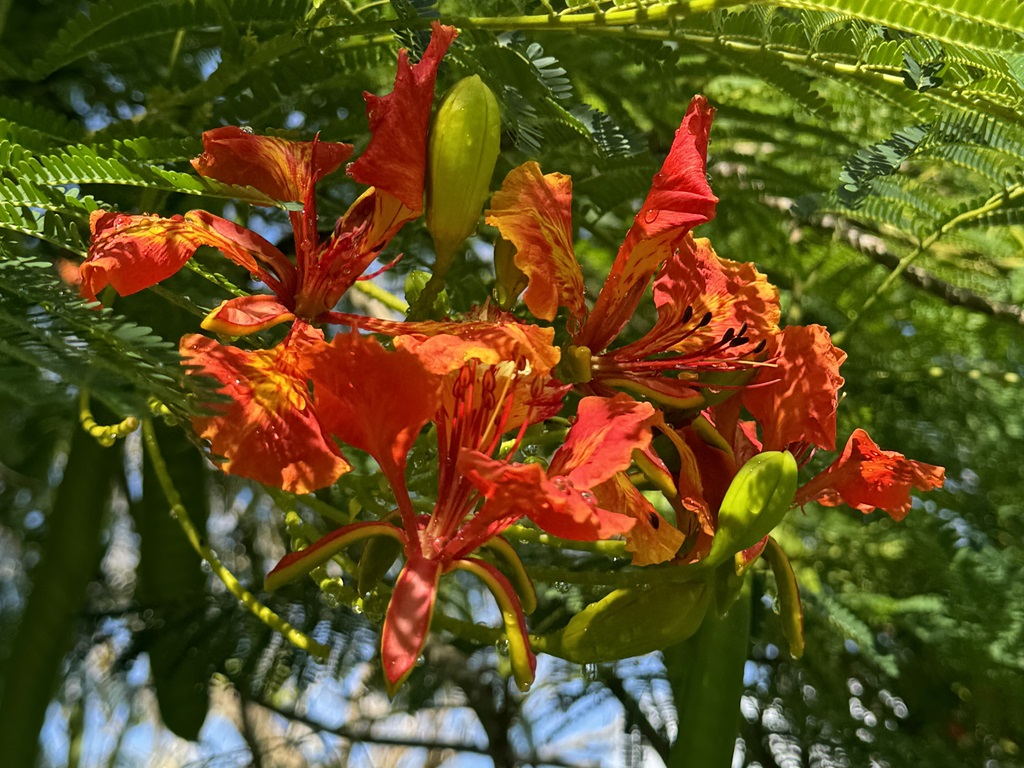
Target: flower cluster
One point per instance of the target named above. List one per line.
(714, 379)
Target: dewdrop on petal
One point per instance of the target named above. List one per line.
(464, 142)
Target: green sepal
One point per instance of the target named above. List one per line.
(791, 612)
(631, 622)
(756, 501)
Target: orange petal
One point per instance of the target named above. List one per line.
(534, 212)
(268, 431)
(602, 439)
(796, 400)
(396, 159)
(371, 398)
(867, 478)
(133, 252)
(653, 539)
(247, 314)
(703, 299)
(282, 169)
(556, 505)
(679, 200)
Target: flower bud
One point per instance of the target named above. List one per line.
(464, 142)
(756, 501)
(631, 622)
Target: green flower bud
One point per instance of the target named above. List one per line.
(757, 500)
(631, 622)
(464, 142)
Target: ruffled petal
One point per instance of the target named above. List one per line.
(281, 169)
(268, 430)
(396, 159)
(795, 401)
(247, 314)
(556, 505)
(534, 212)
(407, 621)
(867, 478)
(679, 200)
(133, 252)
(602, 439)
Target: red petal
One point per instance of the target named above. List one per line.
(371, 398)
(556, 505)
(396, 159)
(868, 478)
(268, 431)
(247, 314)
(680, 199)
(602, 440)
(282, 169)
(796, 400)
(408, 619)
(534, 212)
(445, 347)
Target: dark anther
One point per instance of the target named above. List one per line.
(704, 320)
(760, 346)
(655, 520)
(687, 314)
(728, 335)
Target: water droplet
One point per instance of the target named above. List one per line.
(650, 217)
(247, 129)
(589, 498)
(501, 646)
(561, 587)
(589, 672)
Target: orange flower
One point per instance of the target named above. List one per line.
(135, 252)
(713, 314)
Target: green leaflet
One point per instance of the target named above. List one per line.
(631, 622)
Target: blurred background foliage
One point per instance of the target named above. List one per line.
(869, 157)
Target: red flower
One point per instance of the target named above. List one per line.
(867, 478)
(135, 252)
(493, 380)
(712, 314)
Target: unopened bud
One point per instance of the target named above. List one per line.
(464, 143)
(756, 501)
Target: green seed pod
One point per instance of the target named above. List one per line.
(378, 556)
(791, 612)
(631, 622)
(757, 500)
(464, 142)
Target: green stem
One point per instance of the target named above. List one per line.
(386, 298)
(247, 598)
(533, 536)
(706, 674)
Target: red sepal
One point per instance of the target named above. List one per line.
(407, 621)
(247, 314)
